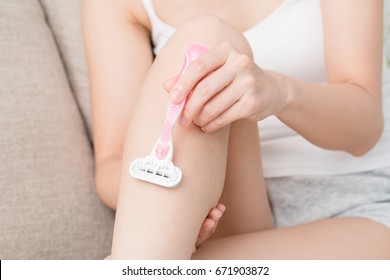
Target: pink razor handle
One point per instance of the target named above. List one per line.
(164, 147)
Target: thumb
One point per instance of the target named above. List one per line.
(168, 85)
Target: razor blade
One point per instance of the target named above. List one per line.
(155, 171)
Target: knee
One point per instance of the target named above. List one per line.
(214, 31)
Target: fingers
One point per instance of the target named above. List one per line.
(206, 231)
(210, 224)
(217, 212)
(234, 113)
(221, 207)
(226, 86)
(221, 102)
(168, 85)
(206, 92)
(198, 69)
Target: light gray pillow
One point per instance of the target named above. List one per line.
(48, 205)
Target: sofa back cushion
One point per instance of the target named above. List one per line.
(63, 18)
(48, 205)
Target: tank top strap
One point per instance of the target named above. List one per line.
(149, 8)
(160, 31)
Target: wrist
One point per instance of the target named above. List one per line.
(286, 93)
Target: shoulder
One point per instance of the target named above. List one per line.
(130, 11)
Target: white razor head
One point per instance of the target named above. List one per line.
(155, 171)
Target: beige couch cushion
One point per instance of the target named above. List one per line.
(63, 17)
(48, 205)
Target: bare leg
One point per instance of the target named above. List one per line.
(158, 223)
(244, 193)
(342, 238)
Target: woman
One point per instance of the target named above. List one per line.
(308, 70)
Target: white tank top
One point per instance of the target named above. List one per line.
(290, 41)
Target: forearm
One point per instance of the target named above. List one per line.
(336, 116)
(107, 177)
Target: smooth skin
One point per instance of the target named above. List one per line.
(227, 87)
(116, 112)
(175, 216)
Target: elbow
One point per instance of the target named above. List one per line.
(102, 192)
(360, 151)
(361, 148)
(107, 179)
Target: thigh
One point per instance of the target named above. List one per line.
(305, 208)
(337, 238)
(244, 193)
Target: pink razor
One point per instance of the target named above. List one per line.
(157, 168)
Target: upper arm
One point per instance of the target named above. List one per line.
(119, 56)
(353, 31)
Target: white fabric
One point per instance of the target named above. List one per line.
(290, 41)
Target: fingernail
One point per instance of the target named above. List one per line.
(175, 96)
